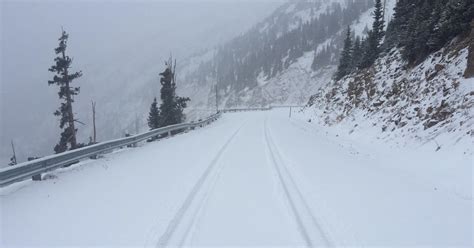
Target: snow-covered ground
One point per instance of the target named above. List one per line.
(250, 179)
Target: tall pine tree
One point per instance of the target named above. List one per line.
(456, 18)
(63, 79)
(379, 23)
(357, 53)
(345, 62)
(375, 37)
(421, 27)
(434, 40)
(172, 106)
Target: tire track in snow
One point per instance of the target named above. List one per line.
(178, 217)
(308, 225)
(190, 229)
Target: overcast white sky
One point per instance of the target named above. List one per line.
(110, 41)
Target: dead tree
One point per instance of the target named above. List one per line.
(13, 160)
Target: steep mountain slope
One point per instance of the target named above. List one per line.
(431, 102)
(282, 60)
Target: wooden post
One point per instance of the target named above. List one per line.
(290, 113)
(93, 123)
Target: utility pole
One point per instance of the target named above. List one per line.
(217, 100)
(13, 159)
(93, 122)
(137, 129)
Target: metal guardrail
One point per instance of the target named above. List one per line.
(246, 109)
(34, 168)
(260, 108)
(287, 106)
(29, 169)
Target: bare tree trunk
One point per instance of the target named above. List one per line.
(13, 160)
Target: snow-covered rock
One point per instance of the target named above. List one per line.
(429, 103)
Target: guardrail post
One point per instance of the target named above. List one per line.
(36, 177)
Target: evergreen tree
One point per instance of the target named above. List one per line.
(419, 29)
(434, 40)
(63, 79)
(172, 106)
(154, 116)
(357, 53)
(375, 36)
(456, 18)
(367, 52)
(397, 28)
(345, 62)
(379, 23)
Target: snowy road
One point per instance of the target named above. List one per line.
(250, 179)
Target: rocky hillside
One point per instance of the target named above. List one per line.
(430, 102)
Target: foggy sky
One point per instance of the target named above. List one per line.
(111, 42)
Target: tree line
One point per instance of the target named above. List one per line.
(418, 28)
(267, 50)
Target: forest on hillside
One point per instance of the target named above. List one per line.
(269, 48)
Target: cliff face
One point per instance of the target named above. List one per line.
(470, 61)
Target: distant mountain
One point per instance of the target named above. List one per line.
(282, 60)
(421, 86)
